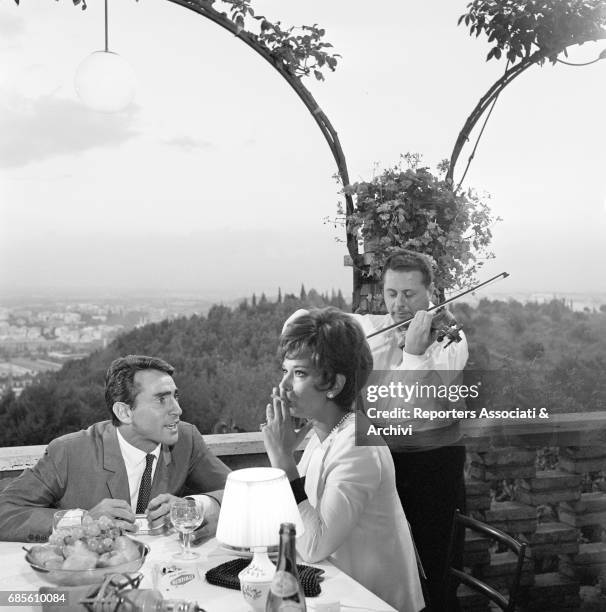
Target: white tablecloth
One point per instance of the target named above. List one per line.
(17, 575)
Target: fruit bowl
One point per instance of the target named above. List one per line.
(96, 575)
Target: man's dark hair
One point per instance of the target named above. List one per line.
(120, 379)
(336, 344)
(407, 261)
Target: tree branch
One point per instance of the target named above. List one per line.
(484, 103)
(494, 91)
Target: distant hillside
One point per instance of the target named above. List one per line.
(225, 368)
(545, 354)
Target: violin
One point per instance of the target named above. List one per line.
(444, 324)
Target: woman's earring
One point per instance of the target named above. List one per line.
(330, 395)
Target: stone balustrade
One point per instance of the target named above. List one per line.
(556, 510)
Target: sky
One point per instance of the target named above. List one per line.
(217, 182)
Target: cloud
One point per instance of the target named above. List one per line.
(35, 130)
(11, 26)
(187, 143)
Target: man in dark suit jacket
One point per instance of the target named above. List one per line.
(101, 469)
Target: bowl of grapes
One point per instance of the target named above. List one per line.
(86, 553)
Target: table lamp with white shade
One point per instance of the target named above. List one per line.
(255, 502)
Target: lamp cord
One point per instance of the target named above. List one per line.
(106, 36)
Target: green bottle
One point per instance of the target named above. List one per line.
(286, 592)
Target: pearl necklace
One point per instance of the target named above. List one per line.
(341, 421)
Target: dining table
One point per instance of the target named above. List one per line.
(17, 577)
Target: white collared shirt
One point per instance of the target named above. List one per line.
(388, 355)
(134, 460)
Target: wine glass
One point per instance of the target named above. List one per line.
(186, 516)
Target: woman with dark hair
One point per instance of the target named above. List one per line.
(346, 493)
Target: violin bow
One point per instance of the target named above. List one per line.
(448, 301)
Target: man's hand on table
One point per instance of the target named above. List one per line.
(158, 510)
(116, 509)
(206, 531)
(210, 508)
(158, 515)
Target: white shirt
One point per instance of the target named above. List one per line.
(387, 355)
(134, 461)
(439, 364)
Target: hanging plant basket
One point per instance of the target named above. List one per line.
(409, 207)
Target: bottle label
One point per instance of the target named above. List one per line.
(291, 606)
(284, 584)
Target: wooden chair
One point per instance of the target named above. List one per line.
(454, 576)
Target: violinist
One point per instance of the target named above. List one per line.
(429, 476)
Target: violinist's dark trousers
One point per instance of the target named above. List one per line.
(431, 486)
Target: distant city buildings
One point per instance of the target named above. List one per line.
(36, 337)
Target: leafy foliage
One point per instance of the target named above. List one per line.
(519, 28)
(226, 365)
(300, 48)
(410, 207)
(536, 353)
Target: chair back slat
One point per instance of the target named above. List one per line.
(481, 587)
(490, 531)
(455, 576)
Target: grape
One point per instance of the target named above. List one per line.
(99, 545)
(78, 533)
(91, 543)
(92, 529)
(105, 522)
(108, 544)
(56, 539)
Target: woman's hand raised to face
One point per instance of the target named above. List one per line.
(279, 435)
